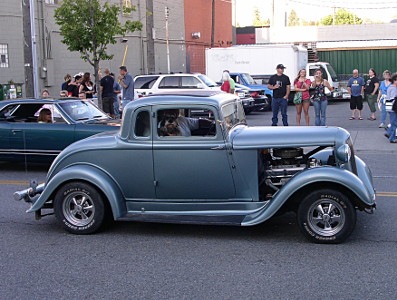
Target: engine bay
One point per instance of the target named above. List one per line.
(278, 165)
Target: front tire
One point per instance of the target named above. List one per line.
(326, 217)
(80, 208)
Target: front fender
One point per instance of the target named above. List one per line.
(307, 177)
(90, 174)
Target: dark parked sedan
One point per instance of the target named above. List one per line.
(23, 136)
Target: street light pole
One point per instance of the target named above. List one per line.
(34, 50)
(167, 14)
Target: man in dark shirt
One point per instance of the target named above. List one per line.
(73, 87)
(107, 93)
(281, 86)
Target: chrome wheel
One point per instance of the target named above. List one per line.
(78, 208)
(326, 217)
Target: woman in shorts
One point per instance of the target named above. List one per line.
(302, 84)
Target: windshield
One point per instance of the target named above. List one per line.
(331, 72)
(82, 110)
(233, 113)
(208, 81)
(248, 79)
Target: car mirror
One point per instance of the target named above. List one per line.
(200, 85)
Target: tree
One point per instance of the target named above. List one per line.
(88, 28)
(293, 19)
(341, 17)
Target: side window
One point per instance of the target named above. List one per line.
(142, 124)
(186, 122)
(189, 82)
(145, 82)
(169, 82)
(237, 79)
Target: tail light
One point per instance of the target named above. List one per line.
(255, 94)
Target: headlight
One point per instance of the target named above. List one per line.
(343, 153)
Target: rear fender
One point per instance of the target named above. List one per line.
(311, 176)
(90, 174)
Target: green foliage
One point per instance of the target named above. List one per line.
(293, 19)
(341, 17)
(88, 27)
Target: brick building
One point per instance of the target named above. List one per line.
(207, 24)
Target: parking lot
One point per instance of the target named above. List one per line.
(152, 261)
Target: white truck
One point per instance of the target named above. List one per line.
(260, 62)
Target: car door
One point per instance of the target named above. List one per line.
(192, 168)
(45, 139)
(134, 158)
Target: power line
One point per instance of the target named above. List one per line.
(343, 6)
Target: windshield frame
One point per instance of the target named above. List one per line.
(248, 79)
(207, 81)
(94, 113)
(332, 72)
(236, 114)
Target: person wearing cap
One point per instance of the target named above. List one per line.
(281, 86)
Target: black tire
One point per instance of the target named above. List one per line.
(80, 208)
(326, 216)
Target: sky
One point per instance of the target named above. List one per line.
(376, 10)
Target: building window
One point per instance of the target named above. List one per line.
(3, 56)
(126, 7)
(51, 1)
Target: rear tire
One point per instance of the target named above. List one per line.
(326, 217)
(80, 208)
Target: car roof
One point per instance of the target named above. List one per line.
(216, 98)
(169, 74)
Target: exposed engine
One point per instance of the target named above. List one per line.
(280, 164)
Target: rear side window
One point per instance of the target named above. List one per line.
(142, 124)
(190, 82)
(145, 82)
(170, 82)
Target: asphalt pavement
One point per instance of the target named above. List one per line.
(39, 260)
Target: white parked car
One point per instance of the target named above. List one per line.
(157, 83)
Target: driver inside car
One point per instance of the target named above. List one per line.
(171, 123)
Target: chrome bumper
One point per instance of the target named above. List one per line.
(30, 194)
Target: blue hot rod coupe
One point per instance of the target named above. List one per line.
(191, 158)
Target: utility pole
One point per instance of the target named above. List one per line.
(27, 49)
(213, 25)
(151, 63)
(167, 15)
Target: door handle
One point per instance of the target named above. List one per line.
(220, 147)
(14, 131)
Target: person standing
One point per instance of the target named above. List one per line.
(281, 86)
(384, 86)
(68, 79)
(320, 100)
(371, 92)
(116, 92)
(107, 93)
(355, 87)
(232, 83)
(392, 94)
(225, 82)
(302, 85)
(87, 87)
(127, 84)
(73, 87)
